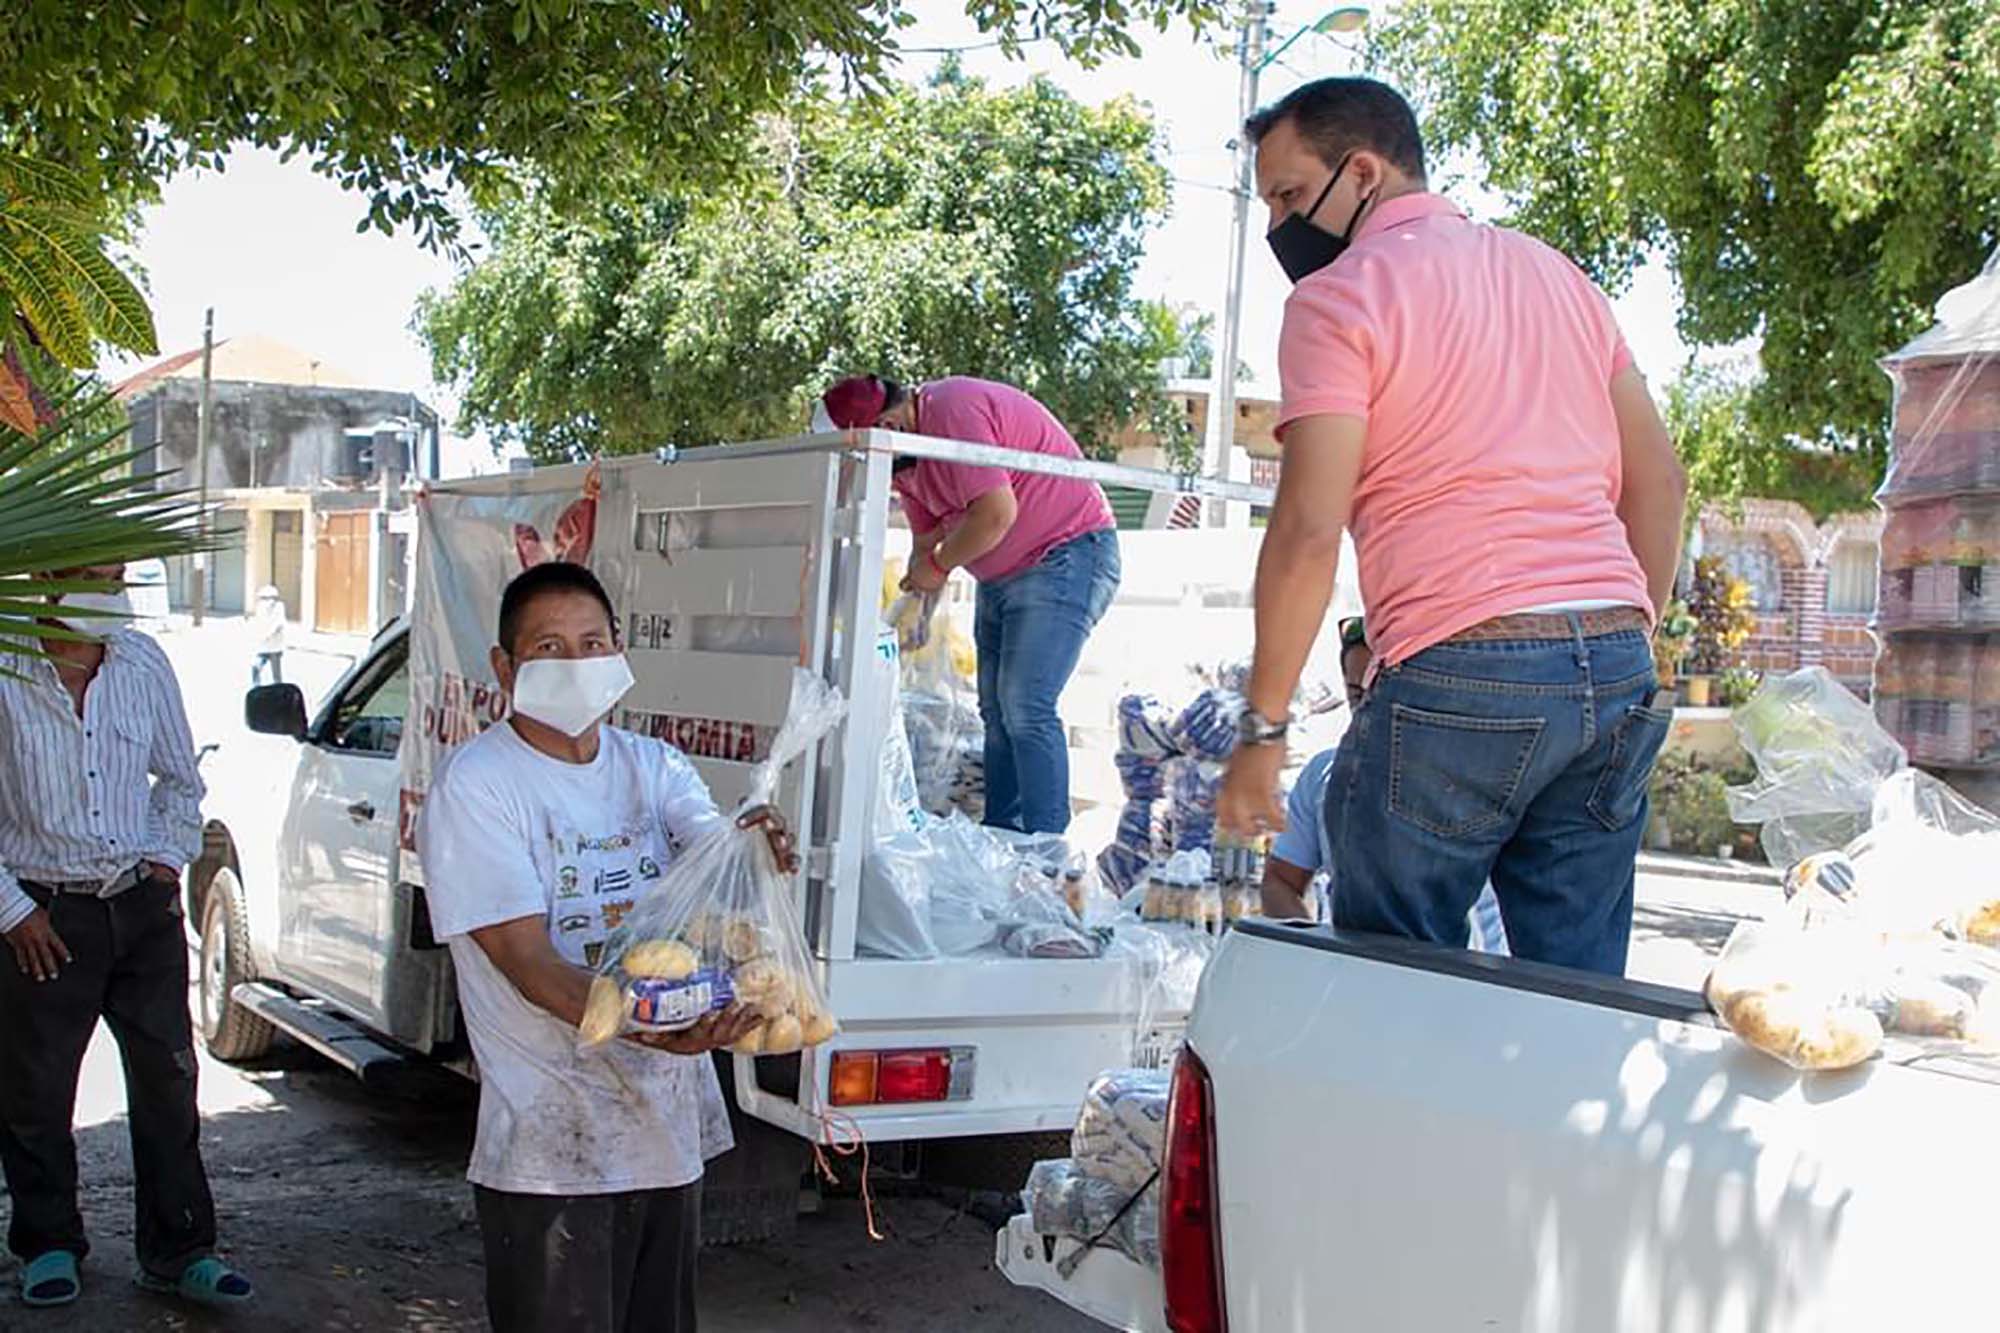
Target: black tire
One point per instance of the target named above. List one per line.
(230, 1031)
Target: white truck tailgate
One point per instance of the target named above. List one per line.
(1107, 1286)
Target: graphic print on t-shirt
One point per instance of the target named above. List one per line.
(599, 869)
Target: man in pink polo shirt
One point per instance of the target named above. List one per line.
(1043, 548)
(1459, 398)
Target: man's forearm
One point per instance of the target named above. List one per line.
(1294, 584)
(1653, 530)
(1284, 891)
(560, 988)
(978, 534)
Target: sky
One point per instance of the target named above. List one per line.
(274, 250)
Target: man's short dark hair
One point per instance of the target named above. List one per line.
(1337, 116)
(554, 576)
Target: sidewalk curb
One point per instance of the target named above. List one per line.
(1707, 867)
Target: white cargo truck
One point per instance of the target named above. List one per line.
(728, 567)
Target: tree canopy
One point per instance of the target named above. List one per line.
(1816, 174)
(946, 230)
(406, 102)
(1708, 411)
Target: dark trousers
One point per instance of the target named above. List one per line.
(129, 966)
(591, 1263)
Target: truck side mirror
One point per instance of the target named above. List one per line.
(276, 710)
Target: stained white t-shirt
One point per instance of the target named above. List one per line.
(508, 832)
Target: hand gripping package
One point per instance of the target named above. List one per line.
(718, 928)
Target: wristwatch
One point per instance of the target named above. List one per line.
(1256, 729)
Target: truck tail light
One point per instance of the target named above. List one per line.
(876, 1078)
(1190, 1215)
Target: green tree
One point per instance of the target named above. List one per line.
(407, 101)
(1710, 412)
(1817, 174)
(67, 496)
(947, 230)
(60, 295)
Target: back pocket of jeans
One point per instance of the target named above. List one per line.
(1620, 792)
(1457, 776)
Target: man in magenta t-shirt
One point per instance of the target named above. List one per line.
(1043, 548)
(1459, 398)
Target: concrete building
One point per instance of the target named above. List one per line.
(309, 469)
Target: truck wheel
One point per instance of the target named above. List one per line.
(230, 1031)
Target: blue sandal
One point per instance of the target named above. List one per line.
(50, 1279)
(204, 1282)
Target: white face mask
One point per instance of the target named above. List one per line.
(116, 602)
(570, 693)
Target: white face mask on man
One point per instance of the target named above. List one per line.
(116, 603)
(571, 693)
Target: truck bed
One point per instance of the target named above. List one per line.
(1429, 1139)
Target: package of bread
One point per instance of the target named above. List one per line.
(1798, 996)
(716, 930)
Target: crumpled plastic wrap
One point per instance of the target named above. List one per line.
(1064, 1200)
(955, 887)
(1821, 757)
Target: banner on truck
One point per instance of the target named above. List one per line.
(468, 549)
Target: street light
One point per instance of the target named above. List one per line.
(1251, 62)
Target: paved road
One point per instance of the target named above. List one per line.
(351, 1210)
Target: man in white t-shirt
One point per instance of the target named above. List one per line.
(537, 839)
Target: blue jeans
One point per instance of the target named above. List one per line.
(1030, 630)
(1523, 761)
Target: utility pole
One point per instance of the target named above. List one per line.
(1222, 399)
(1252, 60)
(201, 465)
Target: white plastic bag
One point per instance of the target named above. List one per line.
(1821, 756)
(718, 928)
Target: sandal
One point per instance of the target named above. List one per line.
(50, 1279)
(204, 1282)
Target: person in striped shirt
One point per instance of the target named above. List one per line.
(100, 809)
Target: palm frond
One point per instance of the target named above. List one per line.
(32, 178)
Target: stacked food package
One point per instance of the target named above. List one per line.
(1107, 1191)
(1891, 944)
(1937, 678)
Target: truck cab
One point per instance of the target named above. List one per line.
(314, 919)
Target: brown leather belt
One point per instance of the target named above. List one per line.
(1556, 625)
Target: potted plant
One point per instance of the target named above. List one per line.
(1720, 605)
(1670, 642)
(1736, 686)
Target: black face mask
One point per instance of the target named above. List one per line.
(1303, 248)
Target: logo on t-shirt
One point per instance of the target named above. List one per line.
(648, 868)
(615, 880)
(614, 913)
(573, 922)
(566, 883)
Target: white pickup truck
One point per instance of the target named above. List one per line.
(1370, 1133)
(730, 567)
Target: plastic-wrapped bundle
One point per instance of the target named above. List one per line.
(1121, 867)
(1146, 728)
(1143, 776)
(1196, 784)
(1121, 1130)
(1062, 1200)
(1207, 727)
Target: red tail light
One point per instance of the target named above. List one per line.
(1190, 1213)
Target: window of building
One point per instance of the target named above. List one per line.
(1851, 577)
